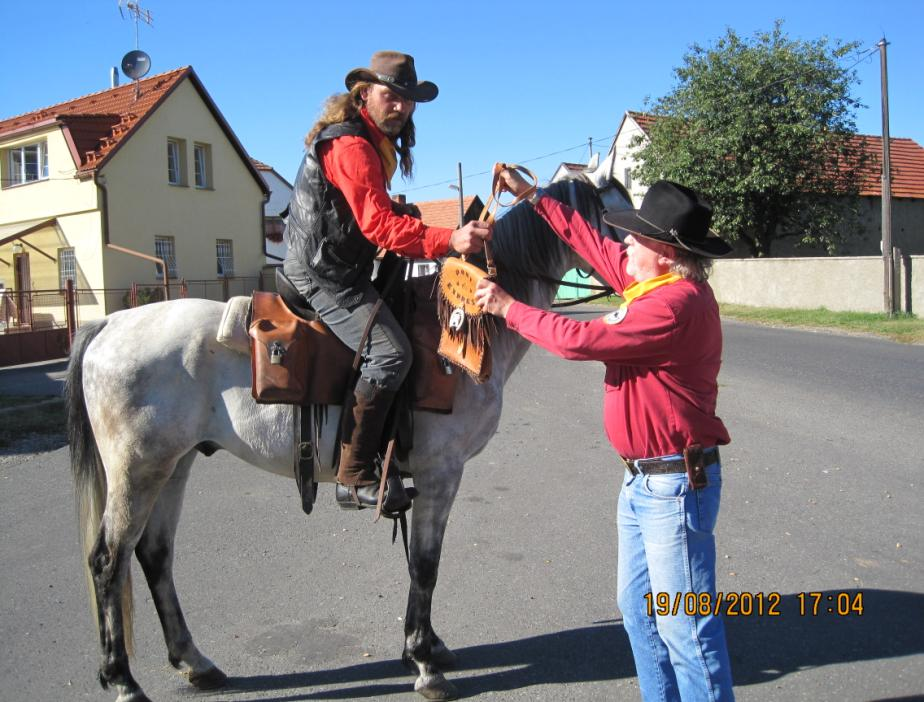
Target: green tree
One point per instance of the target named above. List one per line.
(764, 127)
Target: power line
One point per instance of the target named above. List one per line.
(582, 145)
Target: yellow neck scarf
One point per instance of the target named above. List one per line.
(384, 145)
(637, 289)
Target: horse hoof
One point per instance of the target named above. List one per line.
(211, 679)
(436, 688)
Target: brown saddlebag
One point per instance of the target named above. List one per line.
(294, 360)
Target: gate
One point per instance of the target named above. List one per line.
(36, 325)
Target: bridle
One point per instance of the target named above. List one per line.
(487, 215)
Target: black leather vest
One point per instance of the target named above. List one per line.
(325, 245)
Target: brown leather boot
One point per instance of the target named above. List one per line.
(364, 423)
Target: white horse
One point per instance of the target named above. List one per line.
(149, 388)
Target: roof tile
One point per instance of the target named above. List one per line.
(99, 122)
(906, 161)
(443, 213)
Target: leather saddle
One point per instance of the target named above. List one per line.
(295, 358)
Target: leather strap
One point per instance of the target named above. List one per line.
(487, 215)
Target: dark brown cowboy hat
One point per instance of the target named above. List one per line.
(396, 71)
(672, 214)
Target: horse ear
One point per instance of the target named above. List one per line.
(614, 196)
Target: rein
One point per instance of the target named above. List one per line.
(494, 199)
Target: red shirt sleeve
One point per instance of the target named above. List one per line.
(354, 167)
(645, 336)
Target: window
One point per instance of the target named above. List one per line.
(176, 161)
(224, 254)
(202, 154)
(67, 267)
(165, 248)
(627, 178)
(27, 164)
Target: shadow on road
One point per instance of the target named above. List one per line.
(763, 648)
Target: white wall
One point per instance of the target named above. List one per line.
(848, 284)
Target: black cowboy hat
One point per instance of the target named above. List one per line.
(395, 71)
(675, 215)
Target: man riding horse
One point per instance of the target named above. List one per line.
(339, 216)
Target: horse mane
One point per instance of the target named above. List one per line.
(525, 246)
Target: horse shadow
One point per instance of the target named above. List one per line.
(763, 648)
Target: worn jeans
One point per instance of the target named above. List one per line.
(666, 545)
(387, 353)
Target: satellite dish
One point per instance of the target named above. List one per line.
(136, 64)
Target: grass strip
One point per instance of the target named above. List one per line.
(904, 328)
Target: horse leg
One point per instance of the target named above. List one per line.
(133, 487)
(423, 649)
(131, 493)
(155, 554)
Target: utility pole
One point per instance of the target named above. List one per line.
(889, 270)
(461, 199)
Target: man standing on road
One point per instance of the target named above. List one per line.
(340, 214)
(662, 349)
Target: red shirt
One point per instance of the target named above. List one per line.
(662, 358)
(354, 167)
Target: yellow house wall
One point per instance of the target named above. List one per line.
(73, 202)
(143, 205)
(60, 194)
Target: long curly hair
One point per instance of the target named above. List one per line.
(343, 107)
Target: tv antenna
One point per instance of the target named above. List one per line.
(136, 64)
(138, 13)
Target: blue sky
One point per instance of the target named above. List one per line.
(527, 82)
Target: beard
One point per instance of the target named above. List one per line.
(391, 125)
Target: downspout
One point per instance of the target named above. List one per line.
(100, 182)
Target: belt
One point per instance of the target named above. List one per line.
(660, 466)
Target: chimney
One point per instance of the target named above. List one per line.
(114, 77)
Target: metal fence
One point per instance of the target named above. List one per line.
(36, 310)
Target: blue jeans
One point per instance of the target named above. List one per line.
(666, 545)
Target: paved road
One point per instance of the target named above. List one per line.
(45, 378)
(822, 492)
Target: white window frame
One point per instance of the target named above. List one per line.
(224, 258)
(176, 161)
(165, 248)
(67, 266)
(627, 178)
(17, 173)
(202, 160)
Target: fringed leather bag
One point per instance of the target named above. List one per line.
(465, 337)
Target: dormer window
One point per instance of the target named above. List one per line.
(27, 164)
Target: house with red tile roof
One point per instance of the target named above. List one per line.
(907, 166)
(445, 213)
(275, 211)
(103, 188)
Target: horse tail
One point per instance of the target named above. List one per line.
(88, 471)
